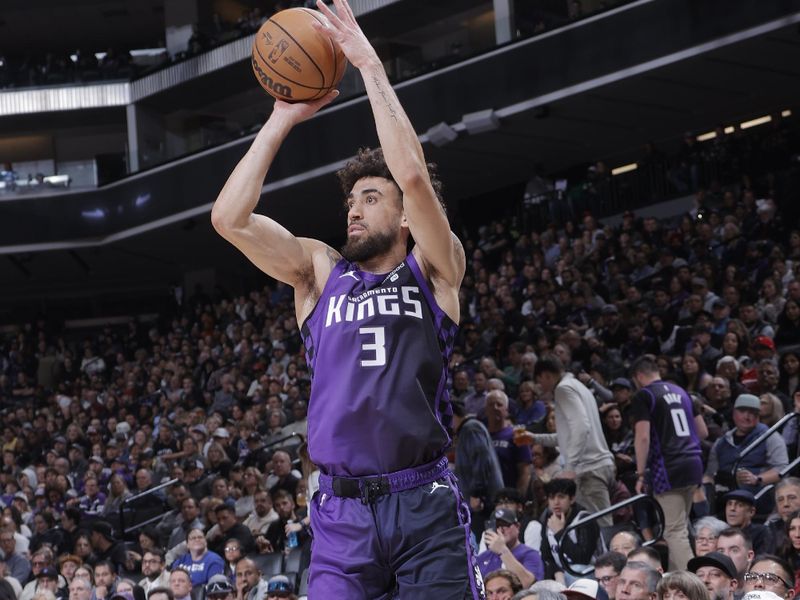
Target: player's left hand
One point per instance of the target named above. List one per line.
(343, 29)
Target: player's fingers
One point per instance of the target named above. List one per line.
(343, 6)
(333, 19)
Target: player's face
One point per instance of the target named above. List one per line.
(374, 218)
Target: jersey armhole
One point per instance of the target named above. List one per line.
(337, 270)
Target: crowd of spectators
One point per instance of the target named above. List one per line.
(194, 425)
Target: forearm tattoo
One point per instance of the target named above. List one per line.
(392, 113)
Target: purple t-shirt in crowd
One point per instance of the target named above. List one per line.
(529, 558)
(509, 454)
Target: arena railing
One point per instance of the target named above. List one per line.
(582, 521)
(782, 473)
(145, 495)
(761, 440)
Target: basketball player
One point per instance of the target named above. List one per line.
(378, 324)
(666, 442)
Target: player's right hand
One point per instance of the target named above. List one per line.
(297, 112)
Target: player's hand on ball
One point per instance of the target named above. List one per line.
(343, 29)
(301, 111)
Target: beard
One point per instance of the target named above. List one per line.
(362, 248)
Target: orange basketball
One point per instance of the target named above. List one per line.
(294, 62)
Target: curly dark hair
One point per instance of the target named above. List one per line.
(369, 162)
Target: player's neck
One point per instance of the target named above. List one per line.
(384, 262)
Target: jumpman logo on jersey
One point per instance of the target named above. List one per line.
(349, 274)
(436, 486)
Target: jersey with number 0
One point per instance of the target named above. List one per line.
(674, 459)
(378, 348)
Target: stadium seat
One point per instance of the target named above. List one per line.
(269, 564)
(293, 560)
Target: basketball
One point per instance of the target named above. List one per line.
(294, 62)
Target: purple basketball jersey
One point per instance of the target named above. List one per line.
(378, 348)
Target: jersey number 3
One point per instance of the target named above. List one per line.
(375, 346)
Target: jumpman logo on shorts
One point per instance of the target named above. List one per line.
(349, 274)
(436, 486)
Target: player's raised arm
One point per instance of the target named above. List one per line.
(401, 149)
(267, 244)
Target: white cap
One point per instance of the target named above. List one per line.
(761, 595)
(221, 432)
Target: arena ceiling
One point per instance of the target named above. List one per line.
(610, 120)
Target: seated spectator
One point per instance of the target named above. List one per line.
(279, 586)
(227, 527)
(16, 565)
(706, 534)
(504, 550)
(199, 561)
(624, 542)
(277, 534)
(80, 589)
(219, 588)
(736, 545)
(718, 574)
(282, 477)
(154, 572)
(105, 579)
(637, 581)
(760, 466)
(740, 508)
(787, 502)
(180, 583)
(249, 583)
(681, 584)
(259, 520)
(585, 589)
(607, 568)
(769, 573)
(648, 555)
(501, 584)
(105, 546)
(561, 510)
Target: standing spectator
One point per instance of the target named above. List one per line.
(580, 436)
(666, 443)
(515, 461)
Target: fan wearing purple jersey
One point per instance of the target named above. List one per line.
(666, 443)
(378, 324)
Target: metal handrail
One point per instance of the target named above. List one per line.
(147, 492)
(602, 513)
(760, 440)
(785, 470)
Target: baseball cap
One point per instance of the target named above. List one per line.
(622, 382)
(714, 559)
(221, 432)
(200, 429)
(193, 464)
(121, 596)
(747, 401)
(678, 263)
(219, 584)
(699, 282)
(765, 341)
(59, 439)
(20, 496)
(506, 515)
(280, 583)
(49, 572)
(742, 495)
(610, 309)
(585, 588)
(123, 427)
(95, 458)
(718, 303)
(761, 595)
